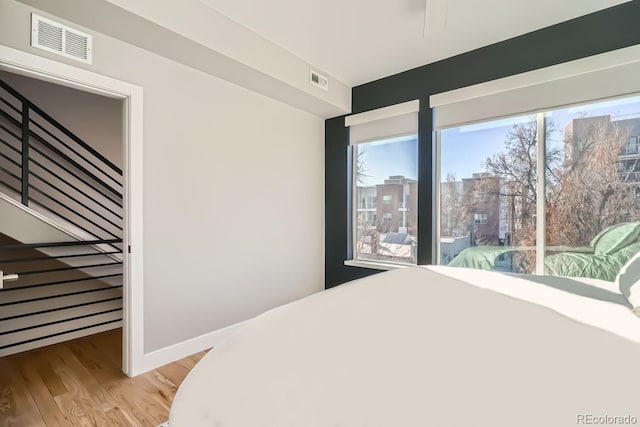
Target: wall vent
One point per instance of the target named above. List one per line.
(318, 80)
(58, 38)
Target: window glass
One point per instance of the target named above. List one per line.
(385, 192)
(490, 191)
(488, 195)
(592, 182)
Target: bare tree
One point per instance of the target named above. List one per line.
(451, 199)
(361, 171)
(508, 188)
(588, 187)
(595, 188)
(516, 169)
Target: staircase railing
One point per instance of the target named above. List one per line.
(53, 301)
(46, 165)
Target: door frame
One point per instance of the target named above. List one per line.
(38, 67)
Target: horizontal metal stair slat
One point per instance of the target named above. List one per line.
(10, 339)
(35, 306)
(69, 335)
(44, 318)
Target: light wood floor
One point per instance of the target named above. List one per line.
(80, 383)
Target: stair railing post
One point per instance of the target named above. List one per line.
(25, 153)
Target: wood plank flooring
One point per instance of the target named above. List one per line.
(80, 383)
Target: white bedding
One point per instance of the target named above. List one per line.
(416, 347)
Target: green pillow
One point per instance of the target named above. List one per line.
(616, 237)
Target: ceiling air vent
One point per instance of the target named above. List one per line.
(319, 80)
(57, 38)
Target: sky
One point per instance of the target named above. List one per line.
(396, 156)
(465, 149)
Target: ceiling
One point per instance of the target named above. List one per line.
(358, 41)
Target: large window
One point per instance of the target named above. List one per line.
(578, 166)
(551, 156)
(384, 181)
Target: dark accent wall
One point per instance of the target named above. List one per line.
(599, 32)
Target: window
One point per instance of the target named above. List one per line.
(480, 218)
(594, 187)
(585, 181)
(632, 145)
(560, 178)
(495, 178)
(387, 166)
(384, 148)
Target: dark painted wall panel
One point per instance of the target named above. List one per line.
(599, 32)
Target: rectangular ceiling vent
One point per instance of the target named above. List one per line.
(58, 38)
(319, 80)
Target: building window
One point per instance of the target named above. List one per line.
(480, 218)
(384, 154)
(632, 145)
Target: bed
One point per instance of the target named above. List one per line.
(426, 346)
(608, 251)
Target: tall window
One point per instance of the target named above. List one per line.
(387, 168)
(488, 192)
(384, 152)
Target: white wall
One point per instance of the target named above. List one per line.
(233, 191)
(96, 119)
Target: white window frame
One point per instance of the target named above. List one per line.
(480, 218)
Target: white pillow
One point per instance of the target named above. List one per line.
(628, 281)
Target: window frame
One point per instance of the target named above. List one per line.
(484, 218)
(533, 92)
(353, 238)
(541, 163)
(392, 121)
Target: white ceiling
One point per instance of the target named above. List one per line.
(358, 41)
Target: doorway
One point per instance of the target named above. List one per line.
(61, 199)
(129, 97)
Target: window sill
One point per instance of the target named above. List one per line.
(375, 265)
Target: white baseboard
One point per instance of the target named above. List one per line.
(178, 351)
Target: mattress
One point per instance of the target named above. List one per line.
(422, 347)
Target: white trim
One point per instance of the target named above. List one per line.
(375, 265)
(35, 66)
(438, 189)
(383, 113)
(542, 75)
(541, 189)
(602, 76)
(354, 201)
(186, 348)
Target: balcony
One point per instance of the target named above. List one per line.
(630, 177)
(366, 207)
(630, 150)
